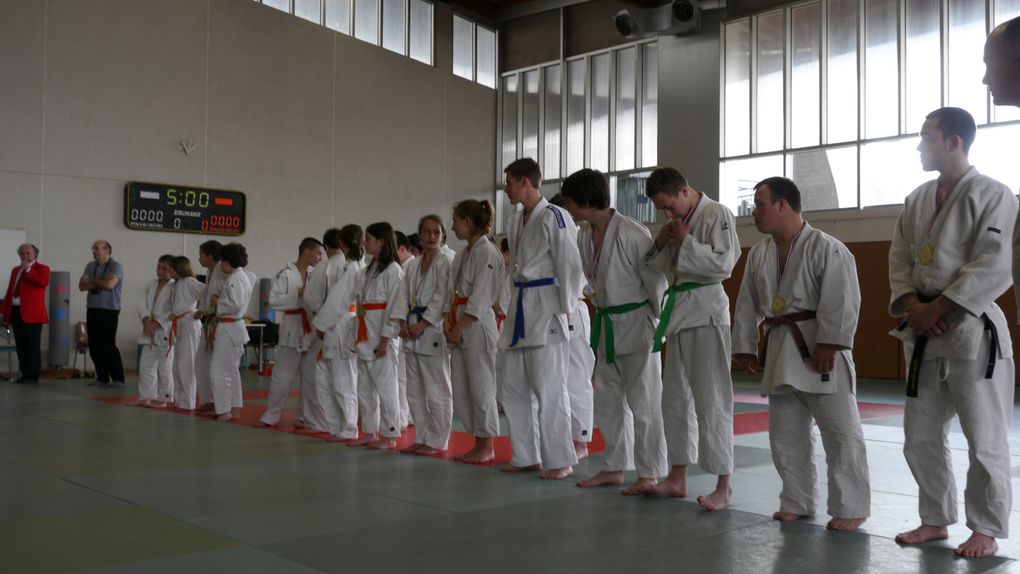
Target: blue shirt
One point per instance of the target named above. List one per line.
(104, 298)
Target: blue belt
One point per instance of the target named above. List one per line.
(519, 317)
(416, 311)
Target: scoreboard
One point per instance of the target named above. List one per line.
(184, 209)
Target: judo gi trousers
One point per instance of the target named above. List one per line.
(542, 436)
(473, 373)
(311, 409)
(379, 394)
(336, 383)
(950, 387)
(579, 389)
(697, 399)
(224, 370)
(285, 368)
(189, 337)
(628, 411)
(430, 397)
(155, 374)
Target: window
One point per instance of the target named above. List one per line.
(310, 10)
(395, 26)
(338, 15)
(793, 105)
(474, 52)
(421, 31)
(366, 20)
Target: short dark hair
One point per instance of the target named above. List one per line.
(401, 239)
(479, 213)
(415, 240)
(956, 122)
(212, 248)
(1010, 31)
(782, 188)
(504, 245)
(557, 200)
(353, 237)
(331, 239)
(165, 258)
(664, 180)
(235, 255)
(587, 188)
(308, 243)
(525, 167)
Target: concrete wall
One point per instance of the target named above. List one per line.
(317, 128)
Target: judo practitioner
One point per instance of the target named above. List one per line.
(626, 295)
(185, 330)
(547, 275)
(295, 335)
(421, 301)
(471, 328)
(802, 283)
(209, 254)
(337, 365)
(155, 365)
(228, 332)
(696, 250)
(949, 260)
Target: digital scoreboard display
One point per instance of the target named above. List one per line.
(162, 207)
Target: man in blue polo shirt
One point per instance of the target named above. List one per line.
(103, 279)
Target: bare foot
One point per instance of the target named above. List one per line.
(262, 425)
(976, 546)
(140, 403)
(638, 487)
(426, 450)
(206, 408)
(477, 456)
(365, 440)
(514, 469)
(299, 424)
(413, 449)
(789, 516)
(306, 430)
(236, 412)
(224, 417)
(718, 500)
(603, 478)
(556, 473)
(922, 533)
(581, 449)
(334, 438)
(666, 488)
(845, 524)
(383, 444)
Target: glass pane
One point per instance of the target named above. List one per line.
(842, 72)
(923, 66)
(890, 170)
(283, 5)
(549, 190)
(394, 26)
(770, 82)
(966, 46)
(575, 115)
(486, 57)
(421, 31)
(509, 144)
(600, 112)
(503, 212)
(338, 15)
(529, 118)
(737, 110)
(738, 177)
(881, 98)
(827, 178)
(626, 103)
(805, 75)
(463, 47)
(630, 198)
(366, 20)
(310, 10)
(553, 117)
(993, 153)
(650, 106)
(1005, 10)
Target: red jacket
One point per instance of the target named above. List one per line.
(33, 294)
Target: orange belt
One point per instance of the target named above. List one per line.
(362, 327)
(210, 335)
(173, 328)
(455, 303)
(305, 325)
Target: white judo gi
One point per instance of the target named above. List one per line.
(406, 418)
(316, 388)
(963, 254)
(155, 366)
(628, 376)
(426, 359)
(506, 286)
(697, 389)
(229, 339)
(474, 284)
(295, 339)
(820, 277)
(203, 356)
(547, 275)
(580, 368)
(186, 335)
(338, 364)
(378, 387)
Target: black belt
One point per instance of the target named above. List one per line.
(921, 341)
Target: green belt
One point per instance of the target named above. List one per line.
(602, 316)
(667, 309)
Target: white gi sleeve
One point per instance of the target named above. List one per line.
(563, 245)
(839, 297)
(486, 268)
(716, 258)
(747, 315)
(441, 279)
(280, 296)
(392, 280)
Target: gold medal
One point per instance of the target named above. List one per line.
(517, 267)
(926, 254)
(778, 304)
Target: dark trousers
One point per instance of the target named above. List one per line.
(27, 340)
(102, 330)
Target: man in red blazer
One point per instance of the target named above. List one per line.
(24, 309)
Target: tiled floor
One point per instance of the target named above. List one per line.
(92, 486)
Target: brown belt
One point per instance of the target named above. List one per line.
(791, 320)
